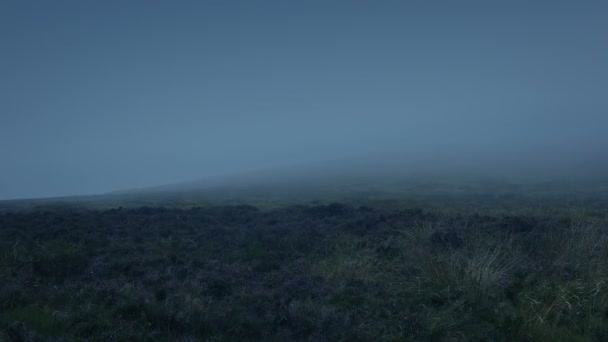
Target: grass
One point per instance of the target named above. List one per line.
(325, 272)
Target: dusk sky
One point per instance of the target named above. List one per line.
(98, 96)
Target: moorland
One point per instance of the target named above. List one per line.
(489, 266)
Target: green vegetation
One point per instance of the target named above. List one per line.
(326, 272)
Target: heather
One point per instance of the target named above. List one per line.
(326, 272)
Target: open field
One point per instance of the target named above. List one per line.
(303, 272)
(385, 192)
(303, 171)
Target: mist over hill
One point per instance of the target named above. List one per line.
(143, 96)
(422, 179)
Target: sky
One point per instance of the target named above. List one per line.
(98, 96)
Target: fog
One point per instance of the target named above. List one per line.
(101, 96)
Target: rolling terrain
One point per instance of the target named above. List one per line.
(338, 260)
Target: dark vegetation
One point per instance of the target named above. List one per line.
(322, 273)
